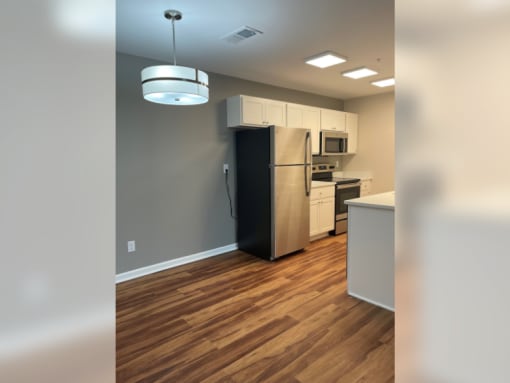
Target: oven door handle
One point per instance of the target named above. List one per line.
(347, 186)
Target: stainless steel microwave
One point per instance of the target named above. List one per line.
(333, 143)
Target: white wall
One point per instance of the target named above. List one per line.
(376, 139)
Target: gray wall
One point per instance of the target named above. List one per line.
(376, 139)
(171, 196)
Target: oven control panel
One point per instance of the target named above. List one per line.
(318, 168)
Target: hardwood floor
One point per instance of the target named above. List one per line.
(236, 318)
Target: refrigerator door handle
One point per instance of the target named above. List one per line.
(308, 149)
(308, 182)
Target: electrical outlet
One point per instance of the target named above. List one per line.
(225, 168)
(131, 246)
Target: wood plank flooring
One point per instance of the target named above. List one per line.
(236, 318)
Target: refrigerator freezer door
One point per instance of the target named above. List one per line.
(290, 146)
(291, 209)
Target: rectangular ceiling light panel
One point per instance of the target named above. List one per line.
(325, 60)
(384, 83)
(359, 73)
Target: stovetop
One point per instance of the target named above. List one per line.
(341, 181)
(328, 176)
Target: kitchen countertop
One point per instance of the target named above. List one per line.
(320, 184)
(378, 201)
(362, 175)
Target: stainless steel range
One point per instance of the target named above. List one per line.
(346, 188)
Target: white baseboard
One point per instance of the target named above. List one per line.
(371, 301)
(128, 275)
(319, 236)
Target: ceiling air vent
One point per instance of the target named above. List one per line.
(241, 34)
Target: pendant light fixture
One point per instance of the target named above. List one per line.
(173, 84)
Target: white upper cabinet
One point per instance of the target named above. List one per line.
(332, 120)
(251, 111)
(255, 112)
(351, 127)
(294, 116)
(275, 113)
(312, 121)
(307, 117)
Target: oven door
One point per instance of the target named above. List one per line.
(343, 193)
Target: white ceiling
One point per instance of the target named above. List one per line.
(361, 30)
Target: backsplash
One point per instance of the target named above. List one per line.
(332, 160)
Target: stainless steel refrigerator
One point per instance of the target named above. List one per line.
(273, 178)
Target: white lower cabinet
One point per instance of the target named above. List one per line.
(314, 218)
(327, 214)
(322, 210)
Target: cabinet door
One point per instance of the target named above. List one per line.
(275, 113)
(252, 110)
(332, 120)
(302, 116)
(312, 121)
(314, 217)
(326, 215)
(351, 127)
(294, 116)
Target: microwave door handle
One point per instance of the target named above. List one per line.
(343, 145)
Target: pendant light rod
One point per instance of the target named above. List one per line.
(173, 15)
(173, 38)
